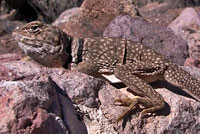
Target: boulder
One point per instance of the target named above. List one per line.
(172, 3)
(35, 99)
(187, 17)
(93, 17)
(34, 104)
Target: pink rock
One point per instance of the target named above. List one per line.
(31, 103)
(192, 62)
(187, 17)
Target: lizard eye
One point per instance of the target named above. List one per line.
(34, 29)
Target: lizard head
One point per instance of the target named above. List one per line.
(44, 43)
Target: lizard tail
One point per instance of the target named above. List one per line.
(184, 80)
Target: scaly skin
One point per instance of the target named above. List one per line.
(134, 64)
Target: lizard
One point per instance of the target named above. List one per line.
(131, 62)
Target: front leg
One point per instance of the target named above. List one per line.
(147, 96)
(87, 67)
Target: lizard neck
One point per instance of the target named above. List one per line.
(77, 50)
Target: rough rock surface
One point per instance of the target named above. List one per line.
(29, 101)
(172, 3)
(161, 39)
(67, 16)
(9, 45)
(159, 13)
(47, 10)
(187, 17)
(153, 8)
(6, 27)
(192, 62)
(94, 16)
(191, 34)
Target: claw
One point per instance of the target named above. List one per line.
(130, 103)
(123, 101)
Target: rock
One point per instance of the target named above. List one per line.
(192, 62)
(4, 72)
(172, 3)
(191, 34)
(9, 45)
(93, 17)
(9, 57)
(153, 8)
(187, 17)
(85, 92)
(50, 10)
(193, 71)
(6, 27)
(7, 42)
(97, 7)
(161, 39)
(183, 112)
(159, 13)
(30, 100)
(66, 16)
(46, 11)
(181, 3)
(35, 104)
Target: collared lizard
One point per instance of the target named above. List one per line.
(134, 64)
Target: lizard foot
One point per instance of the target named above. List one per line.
(130, 103)
(149, 106)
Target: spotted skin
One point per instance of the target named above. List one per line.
(134, 64)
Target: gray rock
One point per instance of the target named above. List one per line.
(6, 27)
(30, 10)
(50, 10)
(187, 17)
(191, 34)
(173, 3)
(9, 45)
(161, 39)
(187, 25)
(93, 17)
